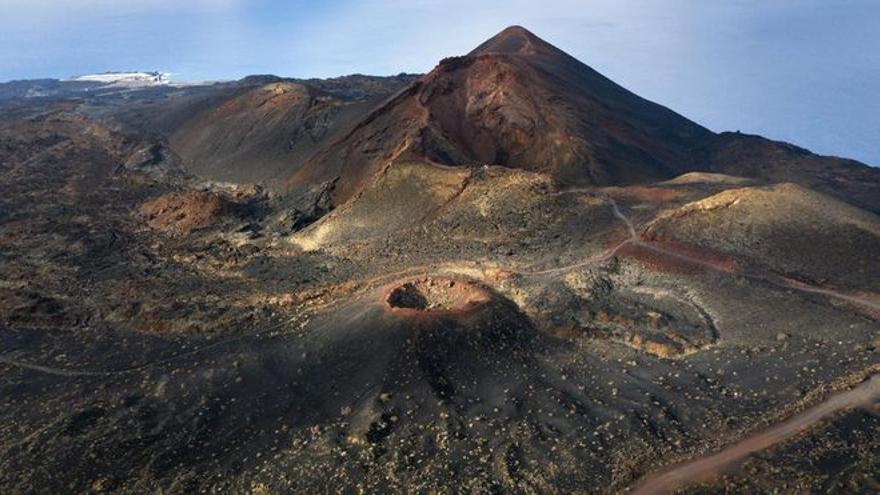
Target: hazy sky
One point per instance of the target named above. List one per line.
(805, 71)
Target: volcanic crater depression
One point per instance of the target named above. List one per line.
(436, 295)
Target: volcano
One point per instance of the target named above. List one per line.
(509, 275)
(519, 102)
(514, 101)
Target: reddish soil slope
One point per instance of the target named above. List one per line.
(516, 101)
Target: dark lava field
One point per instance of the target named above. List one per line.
(508, 275)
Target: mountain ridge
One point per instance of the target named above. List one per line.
(515, 100)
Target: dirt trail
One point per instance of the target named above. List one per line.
(50, 370)
(834, 294)
(706, 468)
(580, 264)
(635, 239)
(66, 372)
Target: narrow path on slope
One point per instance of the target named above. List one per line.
(707, 468)
(66, 372)
(635, 239)
(49, 370)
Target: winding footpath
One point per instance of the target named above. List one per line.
(707, 468)
(780, 282)
(687, 473)
(65, 372)
(633, 239)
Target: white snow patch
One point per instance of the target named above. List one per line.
(126, 79)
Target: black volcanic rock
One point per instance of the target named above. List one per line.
(754, 156)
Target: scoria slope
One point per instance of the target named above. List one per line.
(515, 101)
(519, 102)
(785, 227)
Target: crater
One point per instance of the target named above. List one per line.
(435, 295)
(662, 321)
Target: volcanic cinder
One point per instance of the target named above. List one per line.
(508, 275)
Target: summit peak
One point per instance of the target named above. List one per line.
(512, 40)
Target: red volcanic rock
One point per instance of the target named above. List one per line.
(515, 101)
(181, 213)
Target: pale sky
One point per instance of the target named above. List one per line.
(804, 71)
